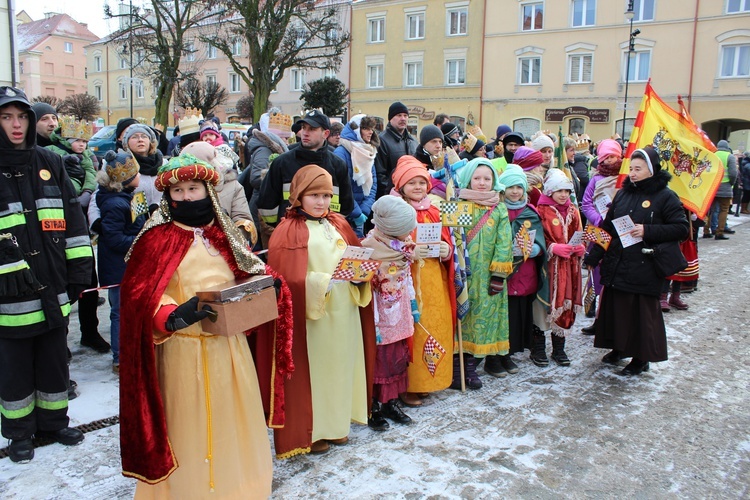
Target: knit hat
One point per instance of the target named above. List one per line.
(209, 127)
(185, 168)
(542, 141)
(502, 130)
(465, 174)
(407, 168)
(392, 216)
(139, 128)
(42, 108)
(471, 144)
(429, 133)
(204, 151)
(396, 109)
(120, 167)
(723, 144)
(527, 158)
(122, 125)
(310, 179)
(514, 176)
(608, 147)
(555, 181)
(651, 156)
(516, 137)
(448, 129)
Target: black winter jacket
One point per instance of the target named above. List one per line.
(651, 203)
(392, 147)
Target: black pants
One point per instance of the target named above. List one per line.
(34, 384)
(87, 308)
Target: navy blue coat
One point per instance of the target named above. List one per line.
(117, 234)
(362, 203)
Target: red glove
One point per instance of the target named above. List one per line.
(562, 250)
(579, 250)
(496, 285)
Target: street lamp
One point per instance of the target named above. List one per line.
(128, 49)
(629, 15)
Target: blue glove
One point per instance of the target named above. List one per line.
(415, 310)
(360, 221)
(438, 174)
(535, 250)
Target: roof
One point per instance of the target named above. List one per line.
(32, 34)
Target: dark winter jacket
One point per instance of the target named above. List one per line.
(117, 234)
(40, 209)
(651, 203)
(745, 169)
(581, 168)
(274, 190)
(392, 147)
(362, 203)
(258, 150)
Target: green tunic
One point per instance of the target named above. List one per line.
(485, 326)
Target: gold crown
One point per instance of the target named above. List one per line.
(279, 121)
(190, 123)
(474, 129)
(70, 128)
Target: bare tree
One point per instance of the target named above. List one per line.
(158, 37)
(83, 106)
(280, 35)
(245, 106)
(53, 101)
(194, 93)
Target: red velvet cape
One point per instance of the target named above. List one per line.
(146, 452)
(287, 253)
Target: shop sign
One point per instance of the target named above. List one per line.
(594, 115)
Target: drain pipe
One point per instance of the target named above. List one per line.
(481, 68)
(692, 54)
(12, 44)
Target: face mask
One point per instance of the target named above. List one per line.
(192, 213)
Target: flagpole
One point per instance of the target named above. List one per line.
(629, 14)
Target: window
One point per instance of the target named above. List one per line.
(644, 10)
(738, 6)
(530, 69)
(211, 79)
(98, 92)
(140, 56)
(49, 68)
(69, 71)
(123, 63)
(298, 79)
(211, 50)
(640, 66)
(413, 74)
(190, 51)
(458, 21)
(415, 26)
(735, 61)
(68, 47)
(584, 12)
(235, 83)
(629, 123)
(20, 67)
(375, 76)
(123, 91)
(97, 63)
(576, 126)
(526, 126)
(139, 89)
(329, 73)
(579, 68)
(376, 30)
(456, 69)
(533, 16)
(237, 47)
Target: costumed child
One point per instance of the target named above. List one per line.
(395, 306)
(489, 244)
(431, 368)
(528, 283)
(191, 413)
(532, 163)
(209, 132)
(560, 219)
(121, 223)
(334, 334)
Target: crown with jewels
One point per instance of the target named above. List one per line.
(190, 123)
(70, 128)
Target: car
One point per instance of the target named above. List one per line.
(103, 141)
(232, 130)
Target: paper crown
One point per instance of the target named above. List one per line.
(474, 129)
(70, 128)
(280, 122)
(582, 141)
(190, 123)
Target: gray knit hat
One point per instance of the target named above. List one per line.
(42, 108)
(392, 216)
(429, 133)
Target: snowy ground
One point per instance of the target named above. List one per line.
(680, 431)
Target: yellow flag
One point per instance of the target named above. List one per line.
(684, 151)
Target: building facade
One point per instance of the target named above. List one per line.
(52, 56)
(425, 53)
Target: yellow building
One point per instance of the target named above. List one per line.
(563, 63)
(424, 53)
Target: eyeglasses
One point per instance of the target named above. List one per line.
(139, 137)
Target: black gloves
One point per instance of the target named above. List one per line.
(496, 285)
(186, 314)
(74, 292)
(74, 168)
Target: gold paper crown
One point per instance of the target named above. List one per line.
(474, 129)
(70, 128)
(582, 142)
(279, 121)
(190, 123)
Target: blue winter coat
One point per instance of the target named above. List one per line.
(117, 234)
(362, 203)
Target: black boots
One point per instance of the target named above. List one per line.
(95, 341)
(613, 357)
(67, 436)
(539, 349)
(376, 421)
(558, 351)
(635, 367)
(394, 412)
(470, 373)
(493, 366)
(21, 450)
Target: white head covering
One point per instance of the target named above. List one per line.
(555, 181)
(357, 120)
(542, 141)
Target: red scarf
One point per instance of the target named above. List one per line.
(146, 452)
